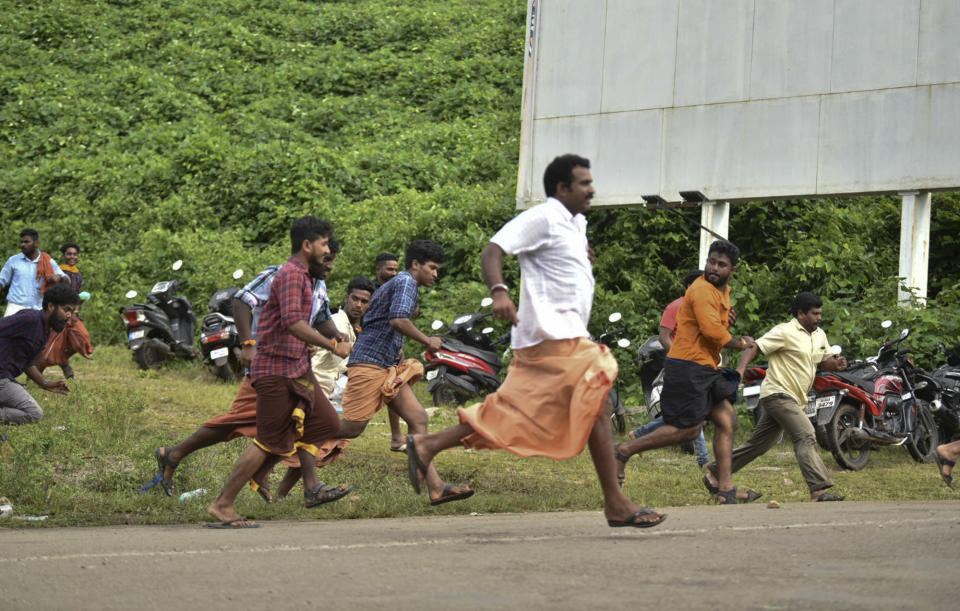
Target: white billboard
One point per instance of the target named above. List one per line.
(743, 99)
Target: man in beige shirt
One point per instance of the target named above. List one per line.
(795, 349)
(329, 368)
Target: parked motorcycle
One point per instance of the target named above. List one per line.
(609, 338)
(219, 341)
(882, 401)
(467, 365)
(163, 327)
(946, 406)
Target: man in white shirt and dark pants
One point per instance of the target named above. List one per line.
(554, 399)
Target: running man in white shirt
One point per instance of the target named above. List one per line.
(554, 399)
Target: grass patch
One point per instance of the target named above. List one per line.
(83, 464)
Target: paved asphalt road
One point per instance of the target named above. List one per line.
(802, 556)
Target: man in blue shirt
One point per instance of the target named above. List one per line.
(22, 337)
(21, 274)
(376, 378)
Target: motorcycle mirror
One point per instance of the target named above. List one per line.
(615, 317)
(238, 274)
(130, 294)
(177, 264)
(904, 333)
(623, 342)
(886, 324)
(436, 325)
(487, 330)
(835, 349)
(486, 301)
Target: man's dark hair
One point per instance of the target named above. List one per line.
(724, 247)
(60, 294)
(691, 276)
(383, 258)
(561, 170)
(805, 302)
(361, 283)
(423, 251)
(334, 246)
(308, 228)
(30, 232)
(66, 245)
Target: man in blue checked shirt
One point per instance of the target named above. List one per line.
(376, 378)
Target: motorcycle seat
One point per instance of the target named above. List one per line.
(853, 380)
(486, 355)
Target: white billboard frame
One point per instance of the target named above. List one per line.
(746, 100)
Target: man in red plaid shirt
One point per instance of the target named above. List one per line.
(293, 415)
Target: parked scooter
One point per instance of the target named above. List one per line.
(467, 365)
(880, 402)
(619, 414)
(219, 341)
(650, 357)
(163, 327)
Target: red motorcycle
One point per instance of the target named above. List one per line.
(876, 402)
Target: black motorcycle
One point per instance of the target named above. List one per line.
(163, 327)
(219, 341)
(946, 404)
(609, 338)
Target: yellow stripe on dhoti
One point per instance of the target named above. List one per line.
(549, 402)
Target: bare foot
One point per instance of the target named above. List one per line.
(226, 513)
(448, 492)
(628, 512)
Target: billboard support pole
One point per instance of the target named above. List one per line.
(914, 245)
(715, 221)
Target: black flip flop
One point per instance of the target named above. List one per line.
(230, 524)
(829, 496)
(415, 466)
(631, 521)
(710, 487)
(162, 463)
(446, 497)
(944, 462)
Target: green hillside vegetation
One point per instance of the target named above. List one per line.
(150, 131)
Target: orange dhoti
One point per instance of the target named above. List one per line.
(242, 420)
(74, 339)
(549, 402)
(370, 388)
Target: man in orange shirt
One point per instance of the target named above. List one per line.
(694, 388)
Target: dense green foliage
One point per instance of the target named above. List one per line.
(152, 130)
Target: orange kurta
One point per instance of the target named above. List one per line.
(702, 324)
(548, 404)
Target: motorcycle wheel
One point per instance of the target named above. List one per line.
(146, 357)
(618, 413)
(224, 372)
(923, 441)
(444, 396)
(848, 453)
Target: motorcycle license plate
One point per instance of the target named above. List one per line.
(219, 353)
(432, 374)
(819, 403)
(749, 391)
(137, 334)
